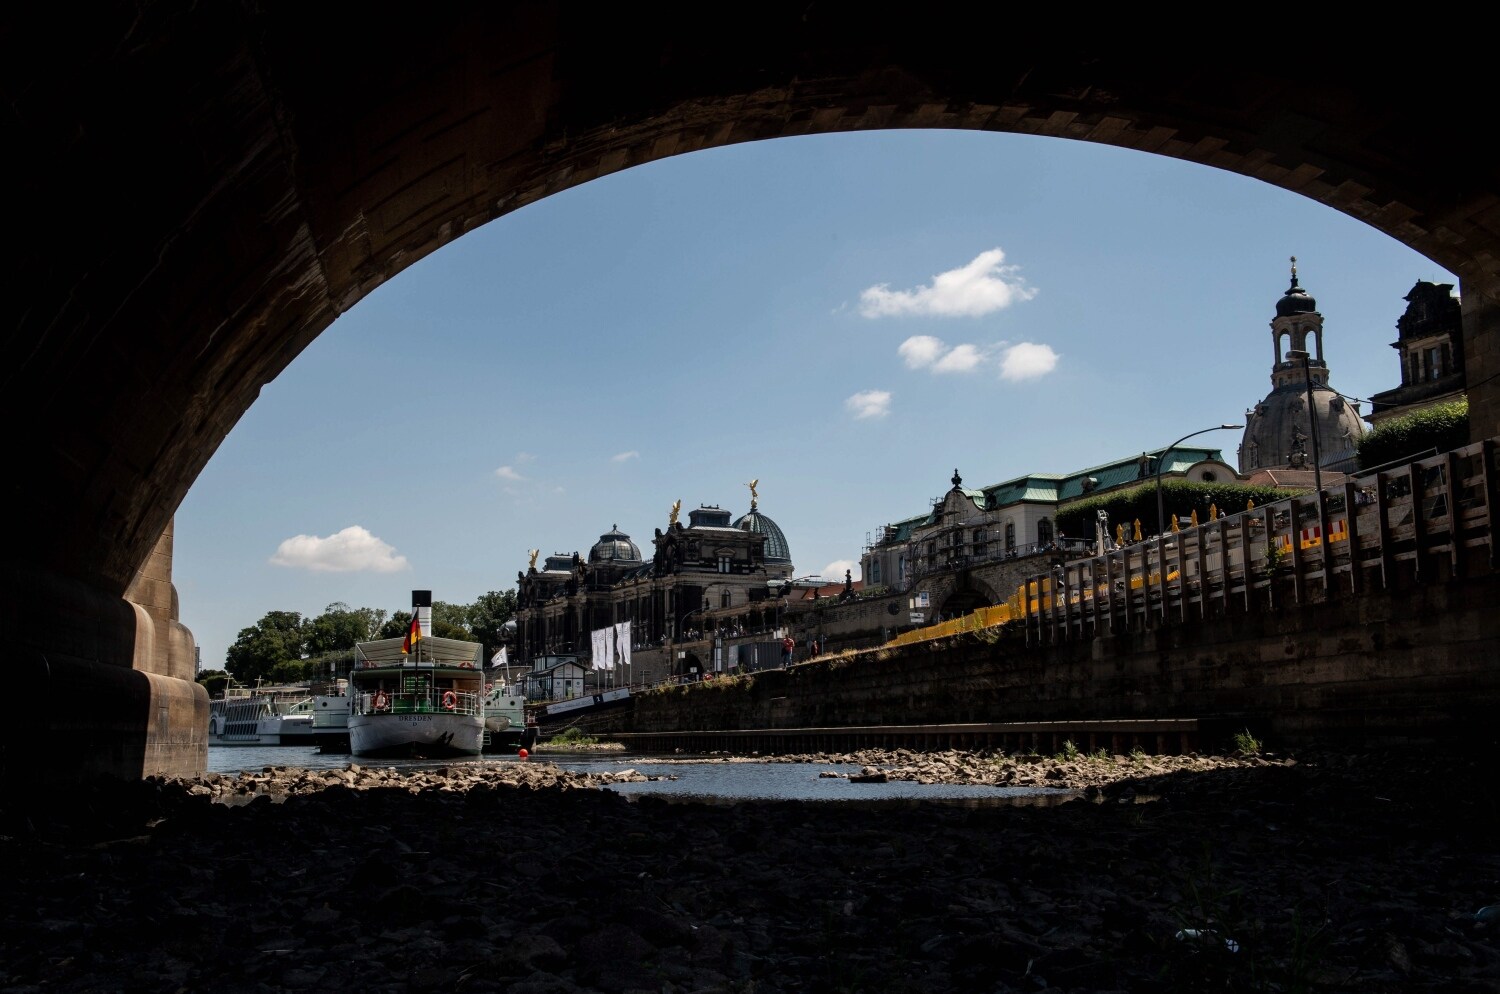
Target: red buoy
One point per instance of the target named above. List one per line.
(523, 754)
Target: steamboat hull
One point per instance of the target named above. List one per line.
(426, 735)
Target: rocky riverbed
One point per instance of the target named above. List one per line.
(1333, 872)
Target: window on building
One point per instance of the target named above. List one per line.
(1044, 531)
(901, 571)
(932, 548)
(1416, 368)
(724, 596)
(1010, 534)
(874, 571)
(1434, 363)
(724, 563)
(980, 536)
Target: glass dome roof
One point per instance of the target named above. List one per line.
(614, 546)
(777, 550)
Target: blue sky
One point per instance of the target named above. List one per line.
(846, 318)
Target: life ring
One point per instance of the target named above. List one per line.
(381, 700)
(450, 700)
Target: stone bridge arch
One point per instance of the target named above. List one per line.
(957, 593)
(203, 188)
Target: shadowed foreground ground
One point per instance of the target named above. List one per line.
(1338, 873)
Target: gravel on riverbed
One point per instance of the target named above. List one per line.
(1334, 872)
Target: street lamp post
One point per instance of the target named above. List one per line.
(1301, 355)
(1161, 514)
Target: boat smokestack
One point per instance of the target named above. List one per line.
(421, 606)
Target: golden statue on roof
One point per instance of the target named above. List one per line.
(533, 553)
(676, 510)
(753, 494)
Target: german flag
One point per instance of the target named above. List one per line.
(413, 635)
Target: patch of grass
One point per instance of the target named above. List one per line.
(1246, 744)
(1069, 751)
(572, 737)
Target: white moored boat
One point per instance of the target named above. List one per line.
(276, 716)
(331, 719)
(428, 702)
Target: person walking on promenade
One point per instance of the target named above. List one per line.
(787, 645)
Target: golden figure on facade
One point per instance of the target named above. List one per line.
(753, 494)
(533, 553)
(676, 509)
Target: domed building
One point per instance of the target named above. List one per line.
(614, 546)
(700, 574)
(777, 553)
(1281, 433)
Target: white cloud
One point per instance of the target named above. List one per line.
(927, 352)
(351, 550)
(1027, 361)
(920, 351)
(524, 457)
(509, 473)
(625, 456)
(869, 404)
(960, 359)
(981, 287)
(834, 571)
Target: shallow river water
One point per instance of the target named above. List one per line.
(707, 779)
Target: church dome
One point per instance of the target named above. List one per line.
(615, 546)
(1295, 301)
(777, 551)
(1276, 430)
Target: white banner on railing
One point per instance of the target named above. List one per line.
(603, 643)
(622, 643)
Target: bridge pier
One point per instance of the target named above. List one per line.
(99, 683)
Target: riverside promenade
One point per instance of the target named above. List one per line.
(1314, 872)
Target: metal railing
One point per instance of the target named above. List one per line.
(1428, 519)
(419, 702)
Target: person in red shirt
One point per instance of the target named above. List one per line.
(787, 645)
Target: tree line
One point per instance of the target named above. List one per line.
(285, 647)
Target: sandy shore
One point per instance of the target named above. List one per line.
(1319, 873)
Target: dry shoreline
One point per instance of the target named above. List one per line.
(1335, 872)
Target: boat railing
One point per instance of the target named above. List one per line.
(421, 702)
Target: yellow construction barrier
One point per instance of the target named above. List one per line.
(985, 617)
(1037, 595)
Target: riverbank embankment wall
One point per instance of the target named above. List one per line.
(1418, 664)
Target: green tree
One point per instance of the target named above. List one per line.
(488, 615)
(339, 627)
(396, 626)
(213, 681)
(294, 671)
(1443, 427)
(451, 621)
(277, 637)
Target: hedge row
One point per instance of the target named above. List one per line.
(1443, 427)
(1180, 497)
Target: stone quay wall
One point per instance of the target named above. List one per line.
(1419, 664)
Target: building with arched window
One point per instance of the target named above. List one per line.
(961, 528)
(711, 564)
(1430, 342)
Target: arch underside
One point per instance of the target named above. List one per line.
(206, 187)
